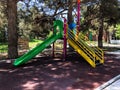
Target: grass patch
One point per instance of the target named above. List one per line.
(3, 47)
(34, 42)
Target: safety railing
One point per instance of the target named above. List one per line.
(84, 47)
(99, 52)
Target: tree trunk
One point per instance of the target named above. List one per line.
(70, 9)
(100, 43)
(12, 30)
(107, 36)
(70, 17)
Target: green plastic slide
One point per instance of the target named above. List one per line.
(38, 49)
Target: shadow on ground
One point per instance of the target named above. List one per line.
(46, 73)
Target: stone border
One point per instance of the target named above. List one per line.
(105, 85)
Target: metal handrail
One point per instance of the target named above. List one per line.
(83, 46)
(98, 51)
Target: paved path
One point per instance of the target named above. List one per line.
(113, 84)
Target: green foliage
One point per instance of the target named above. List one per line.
(117, 31)
(3, 47)
(35, 17)
(32, 22)
(3, 22)
(34, 42)
(107, 9)
(2, 36)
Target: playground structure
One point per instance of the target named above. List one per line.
(93, 55)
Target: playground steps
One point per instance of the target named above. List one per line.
(98, 52)
(88, 57)
(93, 55)
(99, 55)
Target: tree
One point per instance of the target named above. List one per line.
(99, 13)
(107, 8)
(12, 29)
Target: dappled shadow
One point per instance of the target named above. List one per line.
(46, 73)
